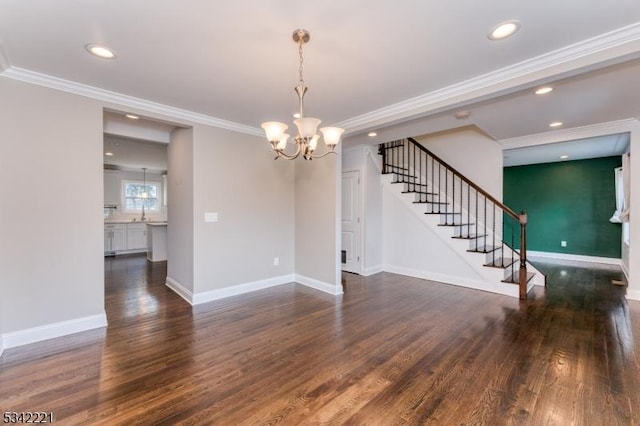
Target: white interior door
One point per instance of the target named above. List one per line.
(351, 223)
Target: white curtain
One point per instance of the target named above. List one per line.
(617, 215)
(626, 177)
(622, 192)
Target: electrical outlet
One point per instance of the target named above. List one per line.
(276, 261)
(563, 243)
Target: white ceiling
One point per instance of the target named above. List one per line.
(133, 154)
(370, 65)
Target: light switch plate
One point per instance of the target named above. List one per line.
(211, 217)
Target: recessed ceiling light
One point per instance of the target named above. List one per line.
(544, 90)
(564, 157)
(372, 134)
(503, 30)
(131, 116)
(100, 51)
(109, 154)
(296, 115)
(556, 124)
(462, 114)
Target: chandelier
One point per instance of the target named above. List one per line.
(307, 139)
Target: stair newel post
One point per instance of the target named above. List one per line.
(383, 151)
(523, 256)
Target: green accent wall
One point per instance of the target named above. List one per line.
(569, 200)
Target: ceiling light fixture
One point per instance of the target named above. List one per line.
(461, 115)
(544, 90)
(504, 30)
(564, 157)
(372, 134)
(109, 154)
(132, 117)
(555, 124)
(100, 51)
(307, 138)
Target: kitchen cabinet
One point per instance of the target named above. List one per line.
(112, 188)
(115, 238)
(157, 242)
(137, 236)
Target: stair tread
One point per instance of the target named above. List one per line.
(456, 213)
(484, 249)
(404, 175)
(469, 236)
(501, 262)
(515, 278)
(456, 224)
(431, 202)
(396, 167)
(416, 191)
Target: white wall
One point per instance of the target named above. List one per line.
(317, 223)
(412, 248)
(472, 153)
(180, 212)
(236, 177)
(633, 291)
(51, 223)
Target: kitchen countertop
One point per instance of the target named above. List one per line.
(124, 222)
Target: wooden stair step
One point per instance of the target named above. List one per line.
(515, 278)
(404, 176)
(456, 224)
(441, 203)
(484, 249)
(391, 166)
(456, 213)
(416, 191)
(501, 262)
(422, 185)
(468, 237)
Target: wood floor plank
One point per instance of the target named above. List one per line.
(391, 350)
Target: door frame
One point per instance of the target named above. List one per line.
(360, 223)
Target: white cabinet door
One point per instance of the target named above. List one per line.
(136, 236)
(112, 188)
(119, 239)
(115, 237)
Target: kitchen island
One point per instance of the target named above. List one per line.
(156, 241)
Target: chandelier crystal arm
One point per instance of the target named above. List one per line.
(281, 153)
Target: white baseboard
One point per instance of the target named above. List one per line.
(625, 270)
(217, 294)
(574, 257)
(179, 289)
(497, 288)
(49, 331)
(318, 285)
(633, 294)
(372, 270)
(211, 295)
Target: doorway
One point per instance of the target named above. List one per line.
(351, 222)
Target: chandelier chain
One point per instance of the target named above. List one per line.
(300, 62)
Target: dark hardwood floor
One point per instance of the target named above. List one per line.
(392, 350)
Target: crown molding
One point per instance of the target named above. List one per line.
(563, 135)
(618, 45)
(125, 100)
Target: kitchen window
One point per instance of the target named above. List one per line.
(137, 194)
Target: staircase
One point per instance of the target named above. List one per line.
(487, 234)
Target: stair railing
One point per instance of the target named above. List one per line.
(476, 214)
